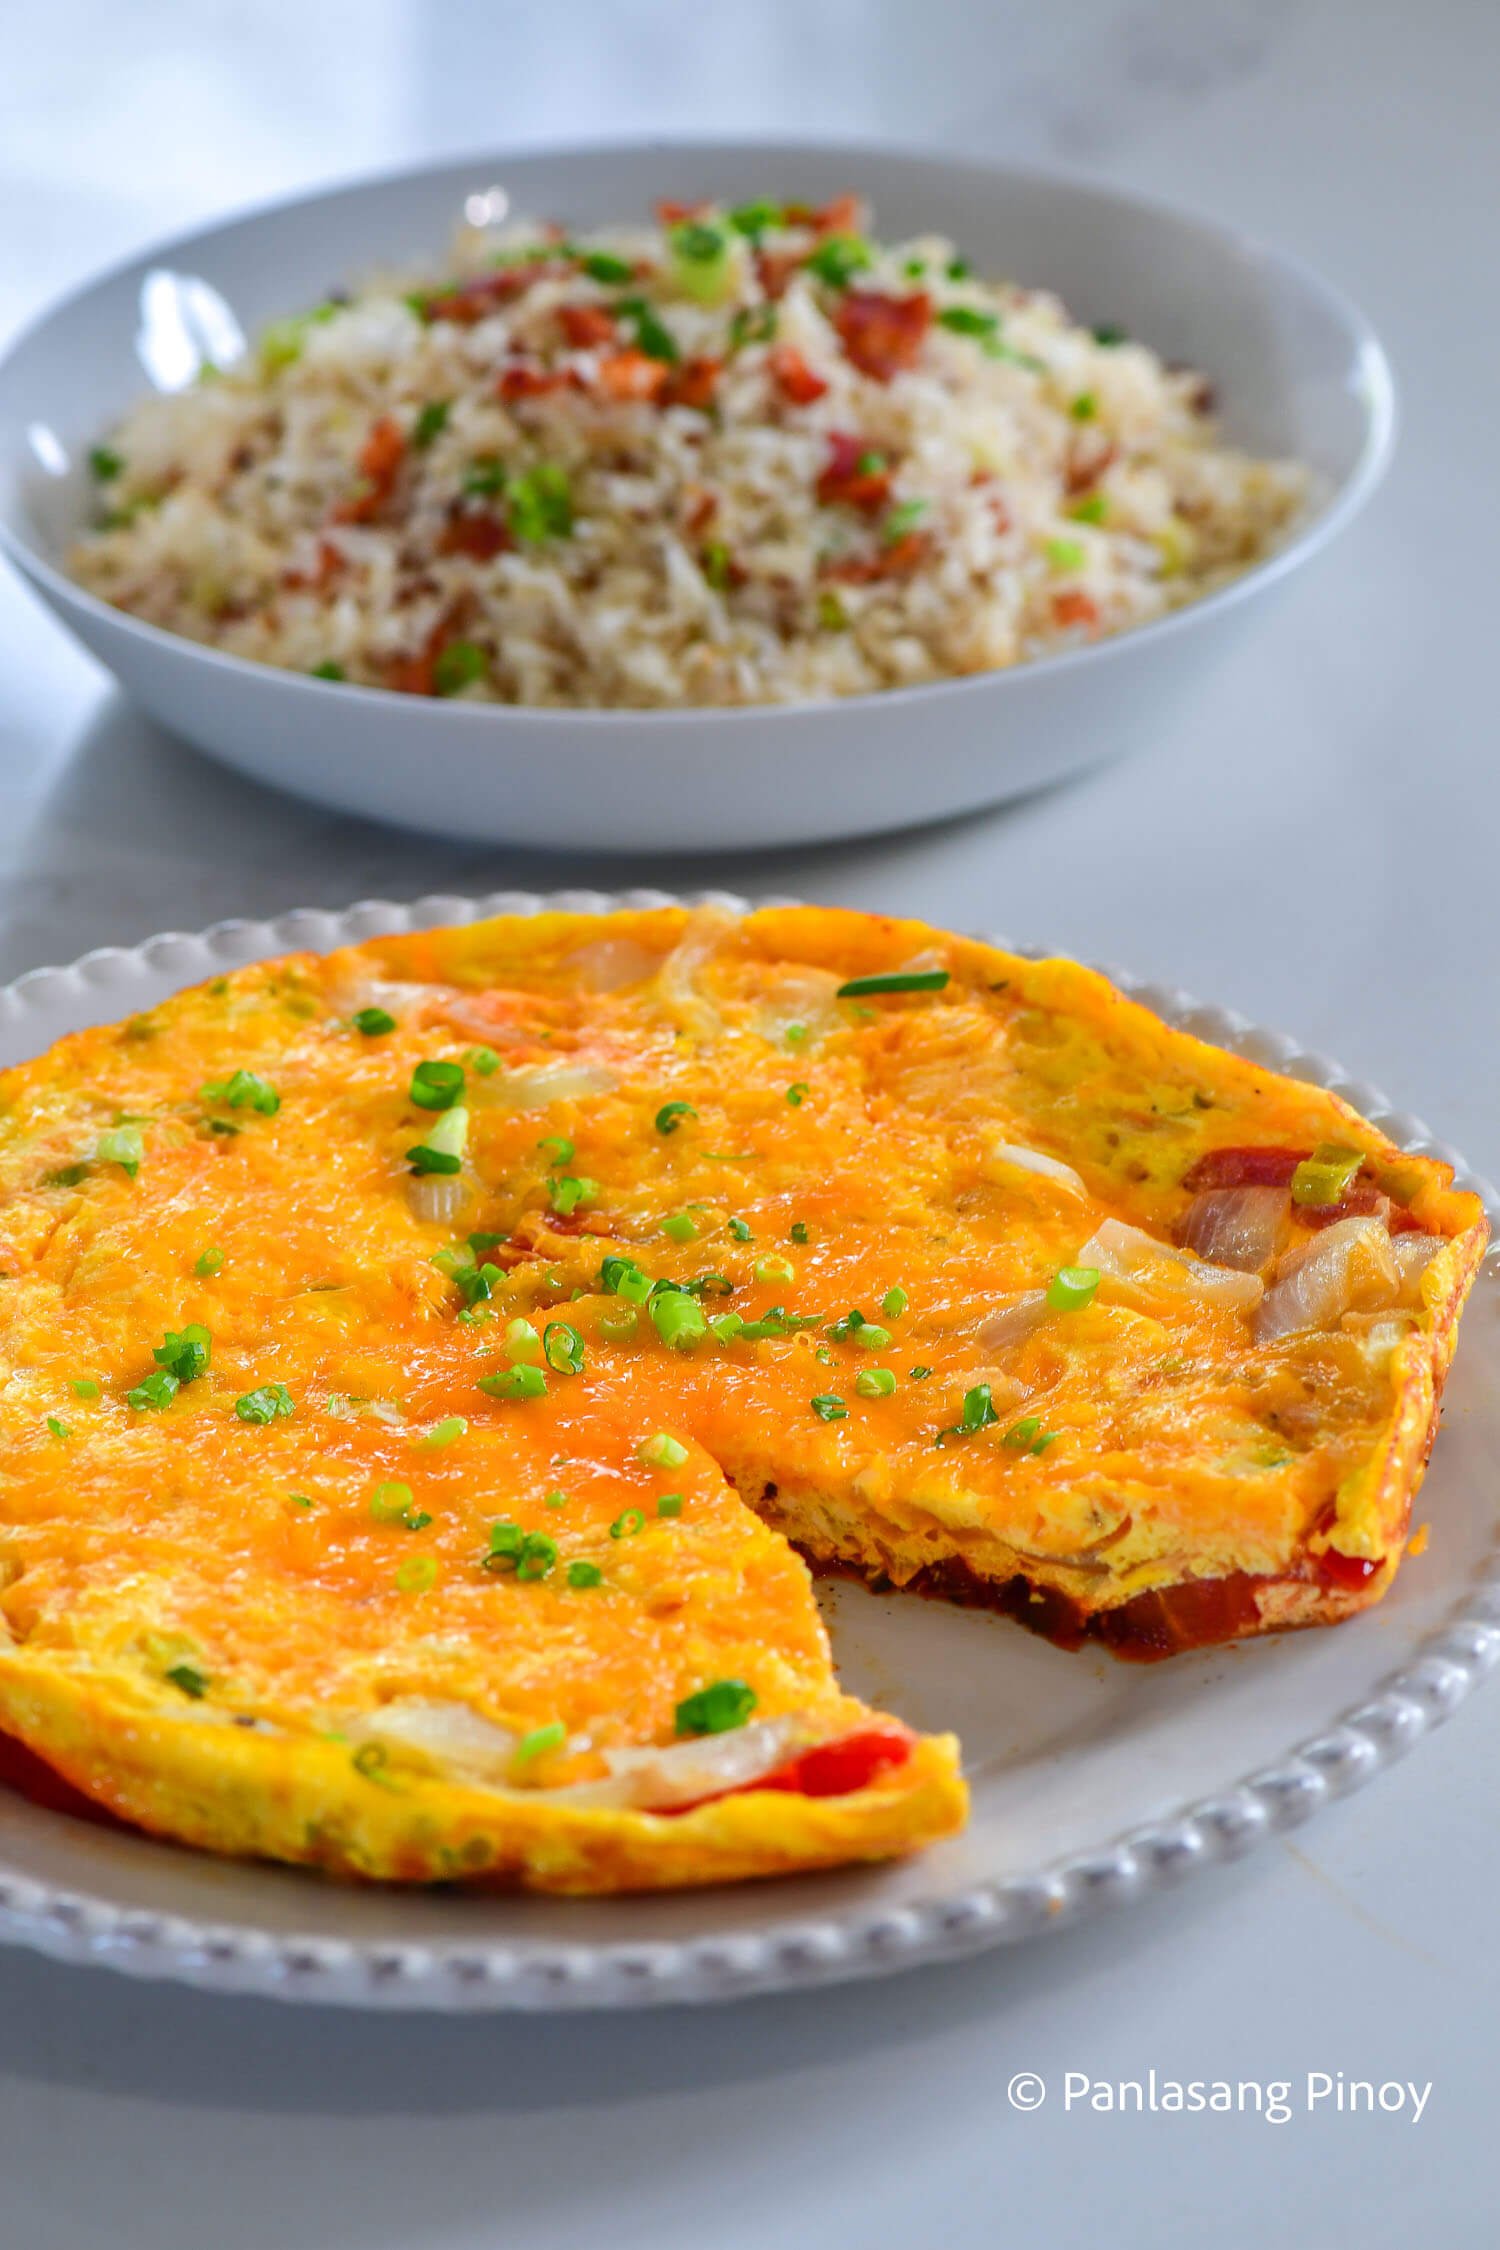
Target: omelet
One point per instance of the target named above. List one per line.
(431, 1369)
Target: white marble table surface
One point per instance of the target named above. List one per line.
(1314, 843)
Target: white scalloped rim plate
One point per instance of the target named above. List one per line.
(1093, 1782)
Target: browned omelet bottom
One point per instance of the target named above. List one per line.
(428, 1367)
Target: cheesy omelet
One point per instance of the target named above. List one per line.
(430, 1370)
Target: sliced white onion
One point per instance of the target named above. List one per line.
(451, 1735)
(681, 1772)
(801, 997)
(1148, 1269)
(436, 1198)
(1348, 1267)
(1237, 1226)
(676, 981)
(534, 1088)
(609, 964)
(1013, 1323)
(1413, 1254)
(1032, 1160)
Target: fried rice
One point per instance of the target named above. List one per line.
(734, 457)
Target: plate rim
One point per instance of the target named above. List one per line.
(494, 1972)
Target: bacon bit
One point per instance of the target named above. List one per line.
(798, 382)
(586, 325)
(633, 375)
(521, 381)
(469, 302)
(1337, 1568)
(1362, 1199)
(844, 215)
(695, 383)
(883, 335)
(1245, 1167)
(904, 555)
(477, 532)
(331, 560)
(380, 461)
(1074, 607)
(1088, 464)
(677, 214)
(774, 269)
(417, 675)
(845, 483)
(701, 507)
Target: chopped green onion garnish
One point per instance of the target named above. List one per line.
(829, 1407)
(902, 519)
(838, 258)
(701, 263)
(484, 1062)
(1108, 335)
(602, 265)
(370, 1761)
(752, 324)
(328, 670)
(726, 1326)
(670, 1115)
(458, 666)
(557, 1148)
(443, 1149)
(1324, 1177)
(874, 1382)
(715, 1709)
(897, 980)
(566, 1193)
(554, 1500)
(104, 464)
(670, 1504)
(191, 1681)
(122, 1146)
(244, 1089)
(1065, 554)
(661, 1452)
(271, 1403)
(206, 1266)
(373, 1022)
(582, 1574)
(797, 1093)
(1071, 1288)
(155, 1392)
(627, 1525)
(740, 1230)
(58, 1428)
(832, 615)
(84, 1386)
(1092, 508)
(894, 1303)
(540, 1743)
(562, 1347)
(431, 422)
(968, 320)
(484, 478)
(958, 269)
(775, 1269)
(1028, 1436)
(652, 337)
(537, 1556)
(1085, 407)
(978, 1414)
(445, 1432)
(522, 1340)
(185, 1353)
(798, 1231)
(679, 1226)
(753, 219)
(417, 1574)
(436, 1085)
(919, 1374)
(679, 1320)
(516, 1382)
(617, 1326)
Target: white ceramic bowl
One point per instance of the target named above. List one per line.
(1297, 370)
